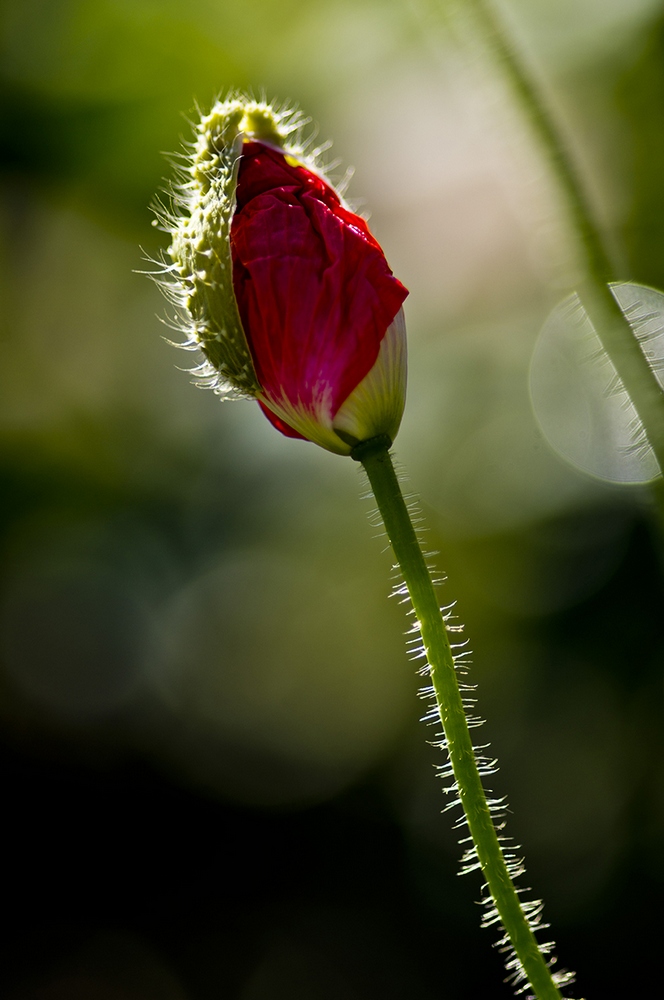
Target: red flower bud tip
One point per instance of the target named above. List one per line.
(282, 287)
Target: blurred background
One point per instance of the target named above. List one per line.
(215, 781)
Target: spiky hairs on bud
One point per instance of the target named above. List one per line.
(199, 281)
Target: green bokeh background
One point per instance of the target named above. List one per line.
(216, 781)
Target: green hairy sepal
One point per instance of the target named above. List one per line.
(198, 278)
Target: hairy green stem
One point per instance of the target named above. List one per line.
(610, 324)
(374, 456)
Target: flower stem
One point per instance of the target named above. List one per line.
(375, 457)
(611, 326)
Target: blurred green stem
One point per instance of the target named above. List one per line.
(374, 456)
(609, 322)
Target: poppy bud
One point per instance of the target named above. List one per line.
(281, 286)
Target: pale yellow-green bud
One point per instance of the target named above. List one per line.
(200, 228)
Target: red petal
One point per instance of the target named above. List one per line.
(280, 424)
(314, 290)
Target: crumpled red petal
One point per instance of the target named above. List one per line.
(280, 424)
(314, 291)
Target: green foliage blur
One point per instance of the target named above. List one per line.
(194, 623)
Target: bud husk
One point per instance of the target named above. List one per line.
(200, 230)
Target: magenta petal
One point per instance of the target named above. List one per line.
(314, 290)
(280, 424)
